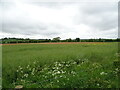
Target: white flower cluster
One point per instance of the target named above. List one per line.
(103, 73)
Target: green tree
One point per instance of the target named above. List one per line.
(56, 39)
(77, 39)
(69, 40)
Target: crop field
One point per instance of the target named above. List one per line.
(81, 65)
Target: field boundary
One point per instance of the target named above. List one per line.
(58, 43)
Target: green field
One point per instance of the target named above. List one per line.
(60, 65)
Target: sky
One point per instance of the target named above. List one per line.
(46, 19)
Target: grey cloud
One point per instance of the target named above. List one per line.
(31, 29)
(102, 16)
(54, 5)
(17, 27)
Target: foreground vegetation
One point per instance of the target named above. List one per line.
(61, 66)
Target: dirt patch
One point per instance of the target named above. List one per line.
(57, 43)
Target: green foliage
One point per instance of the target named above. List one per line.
(56, 39)
(61, 66)
(77, 39)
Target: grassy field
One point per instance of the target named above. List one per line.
(60, 65)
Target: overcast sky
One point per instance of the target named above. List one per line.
(40, 19)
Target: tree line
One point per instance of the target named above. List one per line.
(56, 39)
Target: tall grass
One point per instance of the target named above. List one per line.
(41, 65)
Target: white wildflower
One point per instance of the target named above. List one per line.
(32, 73)
(53, 74)
(19, 87)
(117, 69)
(25, 75)
(58, 72)
(22, 80)
(59, 64)
(57, 80)
(55, 77)
(33, 69)
(67, 65)
(62, 72)
(74, 62)
(17, 70)
(49, 72)
(34, 62)
(61, 76)
(57, 68)
(98, 84)
(73, 72)
(28, 66)
(103, 73)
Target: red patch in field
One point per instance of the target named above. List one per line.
(58, 43)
